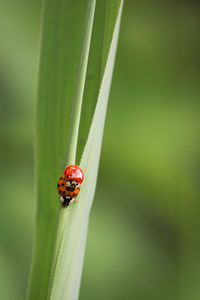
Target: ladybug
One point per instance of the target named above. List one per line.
(73, 172)
(69, 184)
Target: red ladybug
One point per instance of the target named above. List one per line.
(69, 184)
(73, 172)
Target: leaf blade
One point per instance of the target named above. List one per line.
(104, 22)
(58, 73)
(62, 21)
(67, 276)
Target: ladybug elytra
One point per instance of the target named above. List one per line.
(74, 172)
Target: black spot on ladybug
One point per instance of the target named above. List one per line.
(68, 188)
(61, 178)
(67, 175)
(59, 191)
(65, 172)
(62, 184)
(58, 185)
(63, 192)
(74, 194)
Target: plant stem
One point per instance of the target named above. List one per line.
(75, 121)
(78, 97)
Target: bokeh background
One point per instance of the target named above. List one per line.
(144, 234)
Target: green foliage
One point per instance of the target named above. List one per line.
(65, 42)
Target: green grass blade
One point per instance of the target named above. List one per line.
(104, 24)
(62, 22)
(77, 103)
(76, 112)
(64, 95)
(66, 280)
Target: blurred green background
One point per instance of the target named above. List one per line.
(143, 241)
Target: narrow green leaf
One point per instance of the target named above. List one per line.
(78, 98)
(66, 280)
(104, 24)
(66, 92)
(76, 112)
(61, 41)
